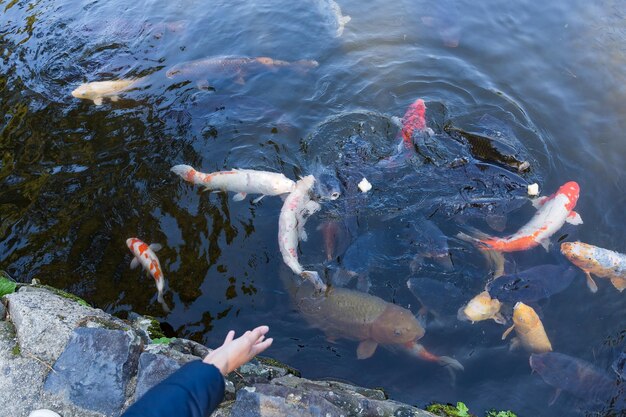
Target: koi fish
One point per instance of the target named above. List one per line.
(241, 181)
(355, 315)
(293, 215)
(331, 13)
(98, 90)
(237, 67)
(145, 256)
(552, 213)
(419, 351)
(529, 329)
(601, 262)
(481, 307)
(574, 376)
(414, 120)
(533, 284)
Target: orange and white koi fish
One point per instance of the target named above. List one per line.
(144, 255)
(552, 213)
(241, 181)
(296, 208)
(598, 261)
(415, 349)
(529, 329)
(482, 307)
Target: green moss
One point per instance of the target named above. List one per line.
(162, 340)
(64, 294)
(494, 413)
(277, 364)
(154, 330)
(16, 350)
(7, 286)
(449, 410)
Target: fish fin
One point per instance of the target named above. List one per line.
(496, 221)
(546, 244)
(499, 318)
(134, 263)
(451, 363)
(557, 392)
(156, 247)
(115, 98)
(591, 283)
(363, 283)
(366, 349)
(445, 261)
(302, 235)
(515, 343)
(315, 279)
(97, 101)
(239, 196)
(574, 218)
(256, 200)
(416, 263)
(619, 283)
(538, 202)
(507, 331)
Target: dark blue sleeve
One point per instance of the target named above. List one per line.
(195, 390)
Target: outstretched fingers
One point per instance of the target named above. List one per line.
(260, 347)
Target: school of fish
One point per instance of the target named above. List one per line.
(365, 318)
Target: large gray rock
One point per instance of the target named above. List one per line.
(3, 310)
(153, 368)
(95, 368)
(264, 400)
(44, 321)
(20, 385)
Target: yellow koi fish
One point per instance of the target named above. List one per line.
(530, 332)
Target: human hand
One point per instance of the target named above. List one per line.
(234, 353)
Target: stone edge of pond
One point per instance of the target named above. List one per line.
(47, 360)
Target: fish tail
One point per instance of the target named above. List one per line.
(161, 301)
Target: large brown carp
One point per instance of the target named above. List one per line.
(355, 315)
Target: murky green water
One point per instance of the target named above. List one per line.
(79, 179)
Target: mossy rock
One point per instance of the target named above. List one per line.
(449, 410)
(277, 364)
(154, 329)
(7, 285)
(63, 294)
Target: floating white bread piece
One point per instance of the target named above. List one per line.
(533, 190)
(365, 185)
(43, 413)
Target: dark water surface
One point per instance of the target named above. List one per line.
(77, 179)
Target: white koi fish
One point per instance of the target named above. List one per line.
(98, 90)
(296, 208)
(601, 262)
(145, 256)
(482, 307)
(552, 213)
(241, 181)
(332, 15)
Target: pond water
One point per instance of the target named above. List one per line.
(79, 179)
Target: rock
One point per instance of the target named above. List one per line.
(95, 368)
(3, 310)
(264, 400)
(44, 321)
(20, 384)
(153, 368)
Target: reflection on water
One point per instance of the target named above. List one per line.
(79, 179)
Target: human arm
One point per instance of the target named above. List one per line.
(197, 388)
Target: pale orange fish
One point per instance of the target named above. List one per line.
(529, 329)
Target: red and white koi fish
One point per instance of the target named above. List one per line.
(417, 350)
(296, 208)
(414, 120)
(241, 181)
(552, 213)
(598, 261)
(144, 255)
